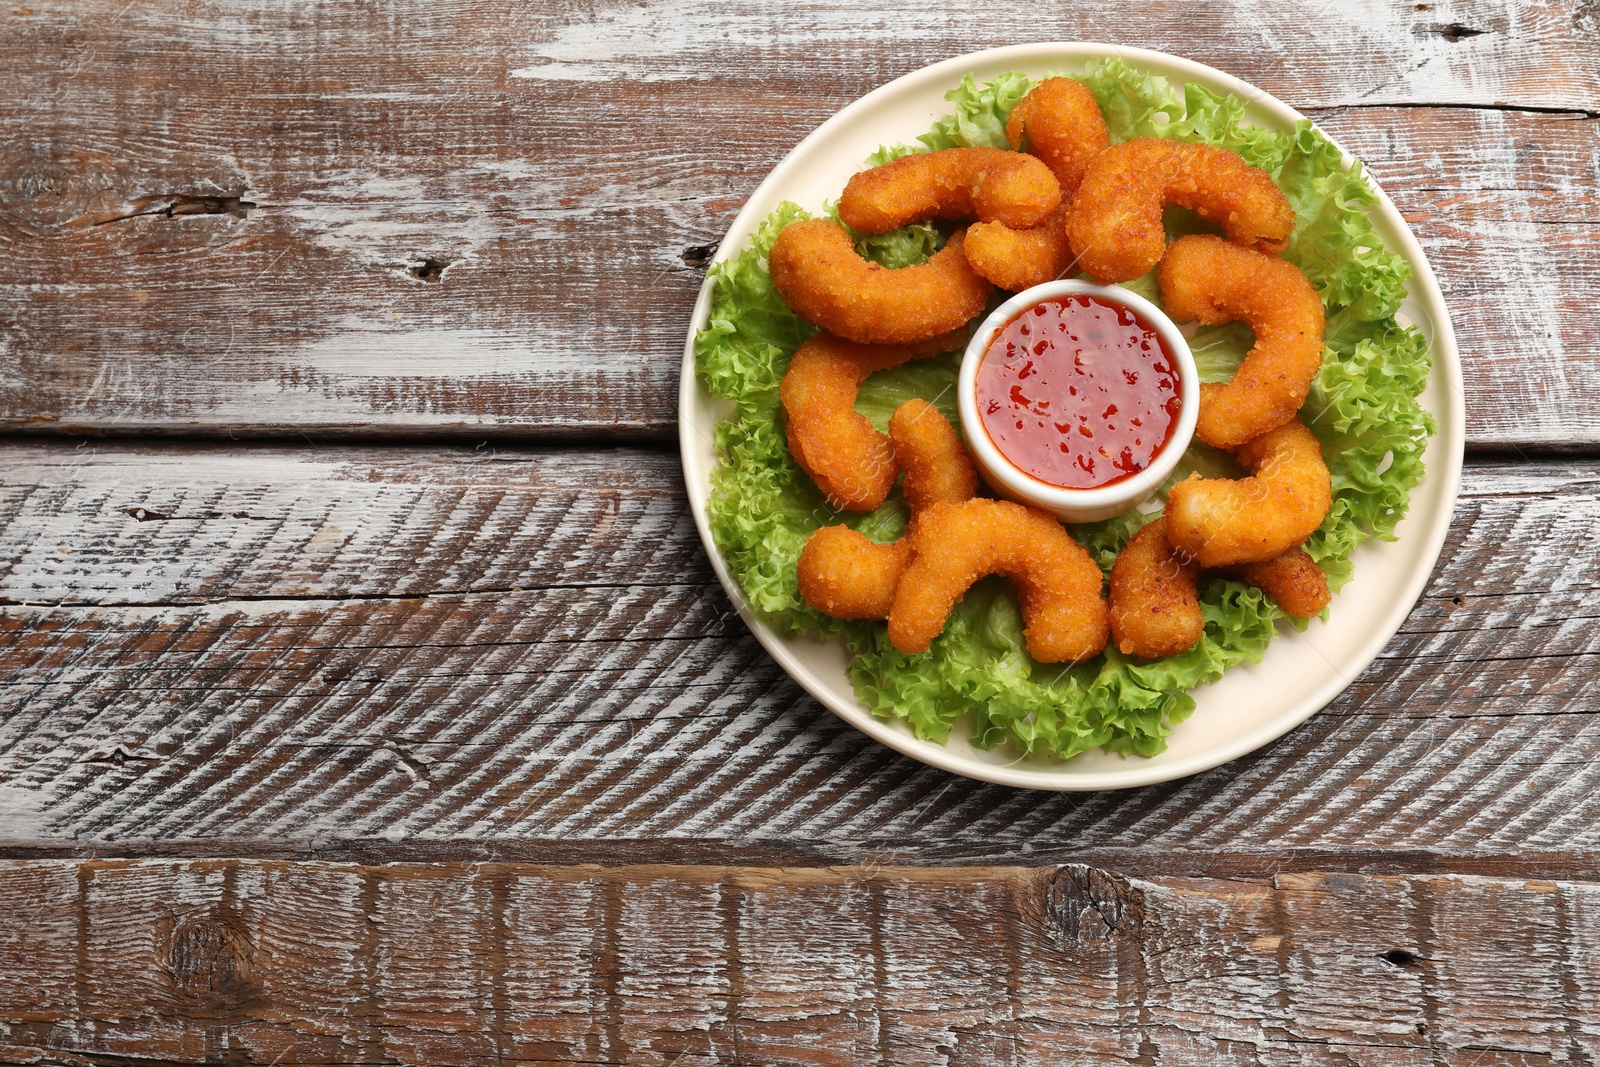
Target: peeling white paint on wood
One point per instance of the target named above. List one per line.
(465, 963)
(556, 234)
(390, 644)
(22, 813)
(386, 220)
(375, 348)
(1333, 53)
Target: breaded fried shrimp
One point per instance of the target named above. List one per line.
(1293, 581)
(851, 462)
(1060, 122)
(848, 575)
(1222, 521)
(1115, 221)
(1020, 259)
(1055, 580)
(816, 270)
(938, 469)
(1205, 278)
(845, 574)
(1155, 610)
(987, 184)
(1063, 126)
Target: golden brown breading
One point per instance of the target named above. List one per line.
(850, 461)
(816, 270)
(987, 184)
(843, 573)
(1115, 221)
(1155, 610)
(1222, 521)
(1293, 581)
(1055, 580)
(1063, 126)
(1020, 259)
(849, 576)
(1207, 279)
(938, 470)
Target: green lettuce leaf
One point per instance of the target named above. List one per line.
(979, 118)
(905, 247)
(1334, 241)
(927, 379)
(978, 121)
(1363, 407)
(1219, 121)
(1135, 103)
(751, 333)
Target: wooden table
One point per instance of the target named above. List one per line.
(366, 696)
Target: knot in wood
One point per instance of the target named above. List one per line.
(699, 256)
(1085, 903)
(44, 193)
(1586, 19)
(209, 959)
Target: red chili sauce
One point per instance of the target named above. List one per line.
(1078, 392)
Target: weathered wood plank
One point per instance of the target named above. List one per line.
(1505, 205)
(458, 230)
(296, 650)
(312, 962)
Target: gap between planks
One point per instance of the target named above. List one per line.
(798, 854)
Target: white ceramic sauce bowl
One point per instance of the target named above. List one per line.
(1076, 505)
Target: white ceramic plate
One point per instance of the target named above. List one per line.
(1252, 704)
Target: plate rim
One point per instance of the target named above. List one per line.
(1446, 466)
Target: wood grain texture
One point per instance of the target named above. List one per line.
(270, 962)
(476, 653)
(1505, 205)
(442, 220)
(476, 732)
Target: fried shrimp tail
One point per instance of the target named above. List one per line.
(1293, 581)
(1060, 122)
(1055, 580)
(816, 270)
(1115, 220)
(851, 462)
(1020, 259)
(1155, 609)
(938, 469)
(845, 574)
(848, 575)
(988, 184)
(1207, 279)
(1222, 521)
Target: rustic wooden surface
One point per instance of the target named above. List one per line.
(424, 734)
(526, 649)
(310, 962)
(470, 181)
